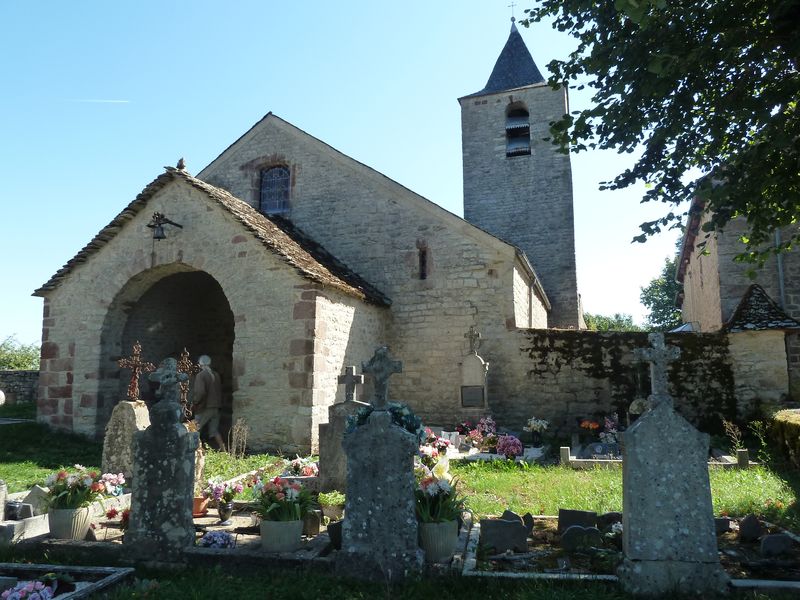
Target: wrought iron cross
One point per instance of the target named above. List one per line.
(349, 380)
(659, 356)
(474, 338)
(185, 365)
(381, 367)
(137, 367)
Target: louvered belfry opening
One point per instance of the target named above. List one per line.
(518, 131)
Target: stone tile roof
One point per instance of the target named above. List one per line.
(757, 311)
(514, 67)
(310, 259)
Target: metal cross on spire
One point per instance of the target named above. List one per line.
(185, 365)
(349, 380)
(381, 367)
(659, 356)
(137, 367)
(511, 6)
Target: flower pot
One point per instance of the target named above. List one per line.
(69, 523)
(536, 439)
(199, 506)
(281, 536)
(225, 510)
(334, 513)
(335, 534)
(438, 540)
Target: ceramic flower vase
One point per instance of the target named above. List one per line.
(281, 536)
(438, 540)
(69, 523)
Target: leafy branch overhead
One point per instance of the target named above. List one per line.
(706, 90)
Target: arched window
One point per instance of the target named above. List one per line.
(274, 190)
(518, 131)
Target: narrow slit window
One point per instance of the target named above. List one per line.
(518, 132)
(423, 263)
(274, 197)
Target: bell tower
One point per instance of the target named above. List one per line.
(517, 186)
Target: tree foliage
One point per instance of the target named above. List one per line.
(16, 355)
(708, 91)
(616, 322)
(658, 297)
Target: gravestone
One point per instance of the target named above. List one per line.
(161, 525)
(473, 378)
(669, 538)
(503, 535)
(332, 460)
(126, 420)
(379, 534)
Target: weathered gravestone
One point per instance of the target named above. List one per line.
(332, 460)
(474, 369)
(163, 475)
(126, 420)
(669, 539)
(379, 535)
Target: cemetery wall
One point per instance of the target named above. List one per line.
(785, 433)
(382, 231)
(19, 386)
(566, 375)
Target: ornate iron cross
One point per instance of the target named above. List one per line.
(185, 365)
(349, 380)
(137, 367)
(381, 367)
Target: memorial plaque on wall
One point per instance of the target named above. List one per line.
(472, 396)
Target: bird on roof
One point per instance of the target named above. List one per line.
(181, 164)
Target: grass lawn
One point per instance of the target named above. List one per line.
(26, 410)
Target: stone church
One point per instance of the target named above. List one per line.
(286, 260)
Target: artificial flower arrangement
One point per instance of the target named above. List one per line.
(610, 429)
(487, 426)
(509, 446)
(301, 467)
(475, 437)
(281, 500)
(124, 517)
(76, 490)
(489, 442)
(436, 497)
(590, 425)
(402, 416)
(432, 448)
(217, 539)
(535, 425)
(43, 588)
(221, 491)
(464, 427)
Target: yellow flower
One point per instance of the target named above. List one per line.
(440, 469)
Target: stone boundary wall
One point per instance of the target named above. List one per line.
(19, 386)
(567, 375)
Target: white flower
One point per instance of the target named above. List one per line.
(441, 468)
(291, 494)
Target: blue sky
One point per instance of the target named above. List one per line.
(97, 97)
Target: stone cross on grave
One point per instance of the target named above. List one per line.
(349, 380)
(381, 367)
(137, 367)
(659, 356)
(185, 365)
(474, 339)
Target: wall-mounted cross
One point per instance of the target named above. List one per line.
(659, 356)
(474, 338)
(381, 367)
(349, 380)
(137, 366)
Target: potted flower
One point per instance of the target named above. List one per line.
(301, 467)
(535, 427)
(223, 494)
(281, 504)
(332, 505)
(489, 443)
(70, 497)
(438, 509)
(509, 446)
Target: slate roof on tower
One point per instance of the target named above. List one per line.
(514, 68)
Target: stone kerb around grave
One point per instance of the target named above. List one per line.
(379, 535)
(669, 538)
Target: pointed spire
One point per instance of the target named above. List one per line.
(514, 67)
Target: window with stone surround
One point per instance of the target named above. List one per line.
(518, 131)
(274, 197)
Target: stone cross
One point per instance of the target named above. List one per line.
(168, 376)
(137, 367)
(474, 339)
(381, 367)
(185, 365)
(659, 357)
(349, 380)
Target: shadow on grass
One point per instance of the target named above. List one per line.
(37, 444)
(25, 410)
